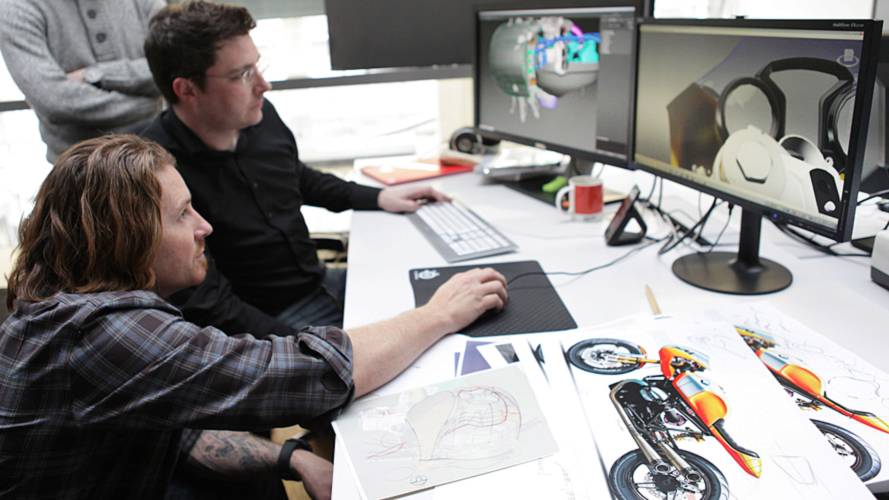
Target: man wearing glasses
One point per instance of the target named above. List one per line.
(242, 165)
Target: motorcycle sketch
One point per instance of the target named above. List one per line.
(659, 410)
(807, 390)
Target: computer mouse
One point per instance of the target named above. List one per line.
(490, 314)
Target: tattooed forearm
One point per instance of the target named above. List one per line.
(234, 454)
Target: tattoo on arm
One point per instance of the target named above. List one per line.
(234, 454)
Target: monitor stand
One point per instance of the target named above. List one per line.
(744, 273)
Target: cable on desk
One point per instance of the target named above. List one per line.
(672, 222)
(651, 192)
(731, 207)
(585, 271)
(877, 194)
(675, 224)
(670, 245)
(809, 241)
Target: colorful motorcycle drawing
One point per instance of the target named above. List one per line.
(807, 390)
(660, 410)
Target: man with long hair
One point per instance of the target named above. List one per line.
(103, 384)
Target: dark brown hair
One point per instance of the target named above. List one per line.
(183, 39)
(96, 223)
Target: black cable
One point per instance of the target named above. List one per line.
(585, 271)
(836, 254)
(877, 194)
(802, 238)
(671, 245)
(811, 243)
(653, 187)
(660, 196)
(674, 222)
(731, 207)
(700, 214)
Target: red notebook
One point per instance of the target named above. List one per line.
(410, 171)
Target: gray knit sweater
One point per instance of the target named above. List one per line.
(43, 40)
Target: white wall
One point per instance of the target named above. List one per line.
(767, 9)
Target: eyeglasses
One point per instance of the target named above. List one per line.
(245, 76)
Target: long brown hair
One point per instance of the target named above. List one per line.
(96, 223)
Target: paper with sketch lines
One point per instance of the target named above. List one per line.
(444, 432)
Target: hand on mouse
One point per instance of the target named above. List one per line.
(464, 297)
(407, 198)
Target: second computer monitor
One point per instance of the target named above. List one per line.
(771, 115)
(557, 78)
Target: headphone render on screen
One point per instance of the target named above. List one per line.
(748, 155)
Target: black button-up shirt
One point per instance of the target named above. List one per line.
(264, 258)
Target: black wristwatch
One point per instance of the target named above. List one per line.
(284, 457)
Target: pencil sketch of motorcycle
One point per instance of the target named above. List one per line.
(808, 392)
(659, 410)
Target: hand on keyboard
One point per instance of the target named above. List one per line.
(407, 198)
(467, 295)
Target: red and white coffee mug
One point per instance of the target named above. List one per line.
(585, 197)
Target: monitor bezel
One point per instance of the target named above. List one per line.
(641, 7)
(860, 115)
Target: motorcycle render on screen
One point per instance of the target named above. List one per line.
(659, 410)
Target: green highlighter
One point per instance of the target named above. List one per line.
(554, 185)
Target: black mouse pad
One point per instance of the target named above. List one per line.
(534, 305)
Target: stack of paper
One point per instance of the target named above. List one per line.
(738, 403)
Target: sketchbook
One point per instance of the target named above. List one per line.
(406, 171)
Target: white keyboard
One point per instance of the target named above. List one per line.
(458, 233)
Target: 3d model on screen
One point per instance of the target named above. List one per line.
(735, 128)
(658, 410)
(536, 61)
(808, 392)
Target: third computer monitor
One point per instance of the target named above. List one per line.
(769, 115)
(557, 78)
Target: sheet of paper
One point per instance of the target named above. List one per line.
(760, 448)
(472, 361)
(499, 354)
(560, 476)
(848, 398)
(572, 424)
(451, 430)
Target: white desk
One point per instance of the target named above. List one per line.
(832, 295)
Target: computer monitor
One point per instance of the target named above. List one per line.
(400, 33)
(875, 171)
(769, 115)
(560, 79)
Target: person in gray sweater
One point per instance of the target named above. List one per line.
(80, 65)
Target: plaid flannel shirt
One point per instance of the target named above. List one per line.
(96, 390)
